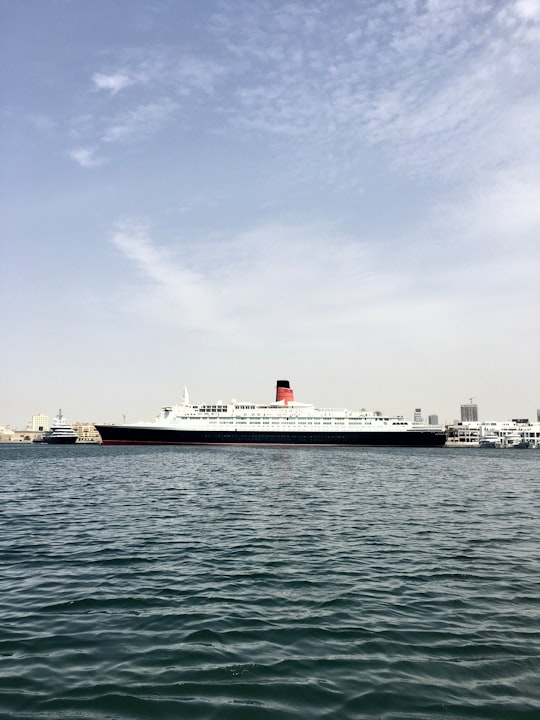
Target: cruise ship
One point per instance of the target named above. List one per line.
(283, 422)
(61, 432)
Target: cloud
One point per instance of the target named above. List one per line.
(508, 209)
(86, 157)
(114, 83)
(301, 283)
(162, 71)
(171, 294)
(189, 74)
(438, 89)
(295, 283)
(167, 69)
(418, 83)
(139, 122)
(161, 79)
(528, 9)
(44, 124)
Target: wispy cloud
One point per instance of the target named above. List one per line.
(304, 283)
(420, 83)
(296, 283)
(172, 293)
(513, 12)
(114, 83)
(139, 122)
(436, 88)
(162, 80)
(44, 124)
(86, 157)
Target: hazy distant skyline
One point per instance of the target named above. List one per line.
(219, 194)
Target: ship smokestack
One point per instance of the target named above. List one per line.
(284, 392)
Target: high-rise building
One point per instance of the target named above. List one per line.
(418, 415)
(40, 423)
(538, 415)
(433, 420)
(469, 413)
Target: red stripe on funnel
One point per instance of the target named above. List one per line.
(284, 392)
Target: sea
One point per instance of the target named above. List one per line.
(240, 583)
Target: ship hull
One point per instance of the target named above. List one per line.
(59, 440)
(126, 435)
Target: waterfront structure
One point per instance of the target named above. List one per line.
(494, 433)
(7, 435)
(531, 434)
(86, 433)
(512, 433)
(463, 435)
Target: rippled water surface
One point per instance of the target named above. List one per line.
(269, 583)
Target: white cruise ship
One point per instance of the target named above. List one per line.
(283, 422)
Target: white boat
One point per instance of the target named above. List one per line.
(517, 441)
(490, 441)
(60, 433)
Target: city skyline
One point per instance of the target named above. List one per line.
(220, 194)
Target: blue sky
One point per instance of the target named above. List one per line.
(219, 194)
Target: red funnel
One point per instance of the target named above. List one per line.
(284, 392)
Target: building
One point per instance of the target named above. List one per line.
(433, 420)
(509, 433)
(418, 415)
(86, 433)
(469, 412)
(463, 435)
(7, 435)
(531, 434)
(497, 434)
(40, 423)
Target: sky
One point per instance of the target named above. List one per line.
(221, 193)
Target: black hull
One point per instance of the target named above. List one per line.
(59, 441)
(122, 435)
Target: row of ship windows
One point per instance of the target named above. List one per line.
(212, 408)
(274, 422)
(474, 436)
(218, 408)
(300, 418)
(253, 421)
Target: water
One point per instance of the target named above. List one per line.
(269, 583)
